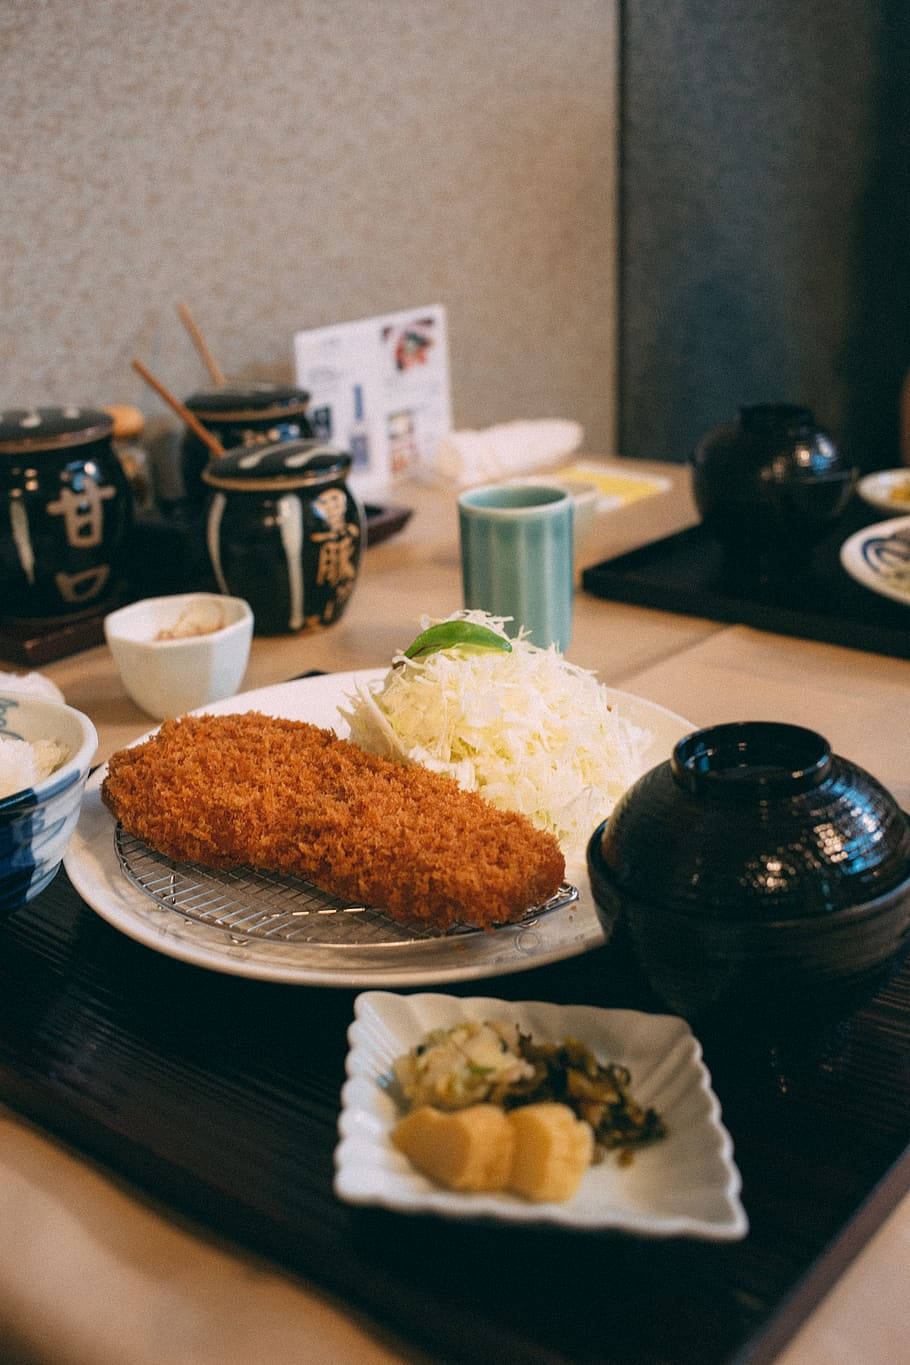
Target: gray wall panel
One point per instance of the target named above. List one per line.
(292, 163)
(765, 221)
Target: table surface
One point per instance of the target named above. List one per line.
(91, 1271)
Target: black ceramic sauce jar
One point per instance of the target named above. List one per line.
(241, 415)
(65, 509)
(770, 482)
(285, 532)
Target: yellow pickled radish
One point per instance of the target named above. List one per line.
(470, 1149)
(552, 1151)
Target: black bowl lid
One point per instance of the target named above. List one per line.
(756, 820)
(758, 759)
(281, 465)
(23, 430)
(247, 400)
(777, 419)
(781, 442)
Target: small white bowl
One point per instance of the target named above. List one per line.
(36, 822)
(168, 677)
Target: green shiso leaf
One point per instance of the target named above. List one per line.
(456, 635)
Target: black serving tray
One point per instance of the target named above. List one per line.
(816, 599)
(220, 1096)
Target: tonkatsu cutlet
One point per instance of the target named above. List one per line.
(286, 795)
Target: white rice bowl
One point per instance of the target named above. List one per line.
(46, 749)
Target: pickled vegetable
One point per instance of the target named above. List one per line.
(553, 1149)
(469, 1150)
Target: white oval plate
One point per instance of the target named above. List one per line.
(887, 489)
(93, 868)
(877, 559)
(685, 1185)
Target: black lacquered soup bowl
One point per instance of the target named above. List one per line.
(770, 483)
(760, 882)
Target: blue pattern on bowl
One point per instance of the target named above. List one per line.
(36, 822)
(889, 556)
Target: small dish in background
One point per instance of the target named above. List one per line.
(585, 499)
(177, 653)
(684, 1185)
(886, 489)
(878, 557)
(37, 819)
(384, 521)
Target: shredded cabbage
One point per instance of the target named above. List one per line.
(526, 729)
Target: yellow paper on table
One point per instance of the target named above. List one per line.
(615, 483)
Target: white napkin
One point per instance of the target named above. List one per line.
(468, 457)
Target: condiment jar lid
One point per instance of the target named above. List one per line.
(23, 430)
(278, 467)
(250, 401)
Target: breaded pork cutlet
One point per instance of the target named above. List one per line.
(285, 795)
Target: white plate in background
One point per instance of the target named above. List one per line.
(887, 489)
(878, 557)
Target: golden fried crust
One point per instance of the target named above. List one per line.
(283, 794)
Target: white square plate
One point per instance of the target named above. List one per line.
(685, 1185)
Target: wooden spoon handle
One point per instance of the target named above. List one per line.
(182, 411)
(198, 339)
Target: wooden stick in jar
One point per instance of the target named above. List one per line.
(182, 411)
(198, 340)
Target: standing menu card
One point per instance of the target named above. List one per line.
(379, 388)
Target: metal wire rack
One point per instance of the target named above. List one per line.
(269, 905)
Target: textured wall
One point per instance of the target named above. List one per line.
(300, 162)
(765, 222)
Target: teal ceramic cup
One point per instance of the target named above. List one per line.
(516, 557)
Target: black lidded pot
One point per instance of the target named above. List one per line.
(65, 511)
(285, 532)
(241, 415)
(771, 482)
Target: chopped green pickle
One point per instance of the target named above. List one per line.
(456, 635)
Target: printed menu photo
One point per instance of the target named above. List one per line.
(379, 388)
